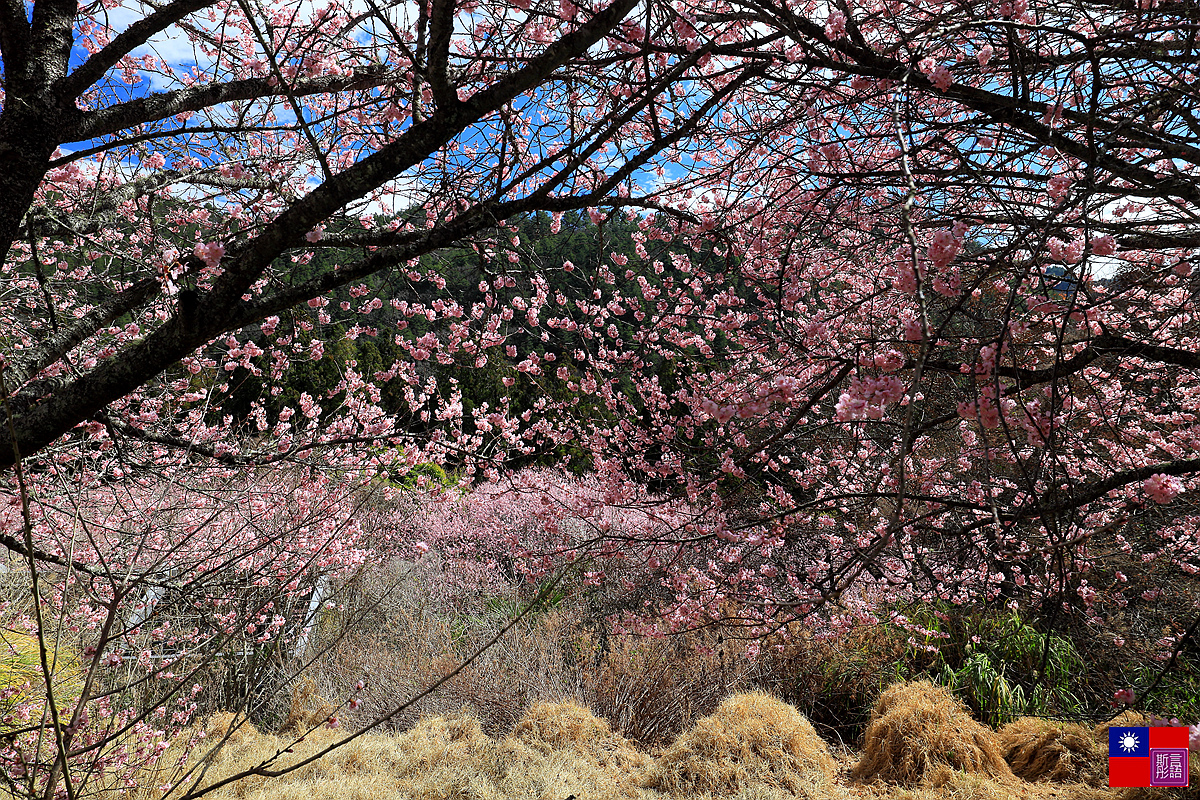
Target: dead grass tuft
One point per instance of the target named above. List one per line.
(439, 759)
(1129, 718)
(438, 742)
(752, 748)
(1059, 752)
(564, 749)
(751, 741)
(307, 709)
(228, 727)
(555, 726)
(944, 783)
(918, 728)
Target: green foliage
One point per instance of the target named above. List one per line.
(496, 611)
(1001, 666)
(993, 662)
(426, 475)
(19, 668)
(549, 596)
(986, 688)
(1177, 694)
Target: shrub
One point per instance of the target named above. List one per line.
(1001, 666)
(992, 663)
(652, 689)
(834, 682)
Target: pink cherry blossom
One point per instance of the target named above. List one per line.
(835, 25)
(1057, 187)
(210, 253)
(1162, 488)
(1104, 245)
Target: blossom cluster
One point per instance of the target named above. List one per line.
(867, 398)
(1162, 488)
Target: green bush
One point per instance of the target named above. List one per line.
(433, 474)
(1000, 666)
(1176, 695)
(1014, 670)
(992, 662)
(836, 682)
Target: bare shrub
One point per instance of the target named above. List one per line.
(389, 634)
(651, 690)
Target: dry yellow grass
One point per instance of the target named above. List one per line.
(948, 784)
(226, 726)
(21, 672)
(557, 726)
(751, 743)
(1124, 719)
(1041, 750)
(753, 747)
(562, 749)
(439, 759)
(917, 729)
(307, 709)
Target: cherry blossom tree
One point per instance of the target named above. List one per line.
(956, 338)
(191, 199)
(974, 335)
(185, 186)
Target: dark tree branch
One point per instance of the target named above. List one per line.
(223, 309)
(1094, 491)
(26, 365)
(14, 36)
(155, 107)
(1106, 344)
(131, 38)
(437, 56)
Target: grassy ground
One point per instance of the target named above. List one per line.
(920, 745)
